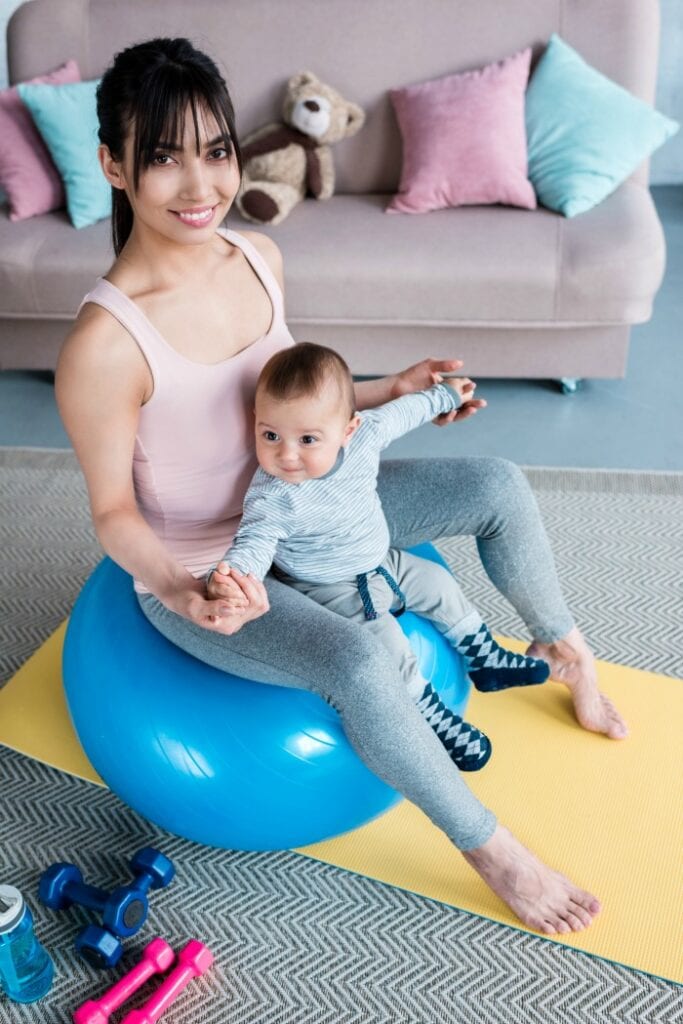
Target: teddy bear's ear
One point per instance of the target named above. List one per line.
(301, 78)
(356, 119)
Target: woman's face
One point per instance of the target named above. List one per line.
(184, 195)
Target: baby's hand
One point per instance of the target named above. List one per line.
(245, 597)
(222, 585)
(470, 405)
(463, 386)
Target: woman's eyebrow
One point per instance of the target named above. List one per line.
(175, 147)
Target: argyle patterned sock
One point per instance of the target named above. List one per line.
(491, 667)
(469, 748)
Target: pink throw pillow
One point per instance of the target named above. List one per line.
(27, 173)
(464, 139)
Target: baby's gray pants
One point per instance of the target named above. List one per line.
(301, 644)
(429, 591)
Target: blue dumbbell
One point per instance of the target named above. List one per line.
(124, 910)
(98, 946)
(152, 870)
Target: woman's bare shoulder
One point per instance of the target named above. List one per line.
(95, 322)
(264, 243)
(98, 344)
(267, 248)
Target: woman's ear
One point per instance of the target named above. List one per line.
(111, 168)
(351, 428)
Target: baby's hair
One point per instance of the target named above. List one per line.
(303, 370)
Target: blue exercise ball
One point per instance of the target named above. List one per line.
(206, 755)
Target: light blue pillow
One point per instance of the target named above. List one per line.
(66, 117)
(585, 133)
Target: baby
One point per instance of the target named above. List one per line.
(312, 512)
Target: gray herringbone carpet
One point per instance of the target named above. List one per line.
(298, 942)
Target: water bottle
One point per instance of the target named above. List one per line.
(25, 968)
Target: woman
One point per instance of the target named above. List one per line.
(155, 385)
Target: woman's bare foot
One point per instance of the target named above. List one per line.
(540, 897)
(572, 663)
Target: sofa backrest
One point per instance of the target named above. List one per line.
(361, 47)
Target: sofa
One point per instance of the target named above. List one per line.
(513, 292)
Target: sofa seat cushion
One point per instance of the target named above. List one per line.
(346, 261)
(47, 266)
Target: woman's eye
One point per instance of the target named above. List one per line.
(159, 159)
(270, 435)
(220, 154)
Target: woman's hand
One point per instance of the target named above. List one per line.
(240, 599)
(424, 374)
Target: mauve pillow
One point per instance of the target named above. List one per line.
(464, 139)
(27, 172)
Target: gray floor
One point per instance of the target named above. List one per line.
(636, 423)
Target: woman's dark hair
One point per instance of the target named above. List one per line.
(149, 88)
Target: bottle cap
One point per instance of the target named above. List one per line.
(11, 907)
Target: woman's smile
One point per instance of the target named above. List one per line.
(198, 217)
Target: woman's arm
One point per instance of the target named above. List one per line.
(418, 377)
(371, 393)
(422, 375)
(101, 382)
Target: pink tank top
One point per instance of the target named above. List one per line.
(194, 450)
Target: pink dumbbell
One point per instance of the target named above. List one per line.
(157, 957)
(193, 960)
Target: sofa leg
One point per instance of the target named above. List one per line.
(569, 385)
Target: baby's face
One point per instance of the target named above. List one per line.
(299, 439)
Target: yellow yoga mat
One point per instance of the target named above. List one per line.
(606, 813)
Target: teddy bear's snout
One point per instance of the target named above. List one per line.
(312, 116)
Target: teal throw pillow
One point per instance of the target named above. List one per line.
(585, 133)
(66, 117)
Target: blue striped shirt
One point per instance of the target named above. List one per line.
(332, 527)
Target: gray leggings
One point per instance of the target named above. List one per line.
(301, 644)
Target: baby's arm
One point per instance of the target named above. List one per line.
(404, 414)
(264, 523)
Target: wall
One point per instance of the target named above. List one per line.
(667, 164)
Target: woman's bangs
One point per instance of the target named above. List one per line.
(160, 119)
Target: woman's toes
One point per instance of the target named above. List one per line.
(574, 921)
(573, 910)
(554, 925)
(589, 903)
(617, 728)
(597, 713)
(585, 905)
(581, 914)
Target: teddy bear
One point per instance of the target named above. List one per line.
(284, 162)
